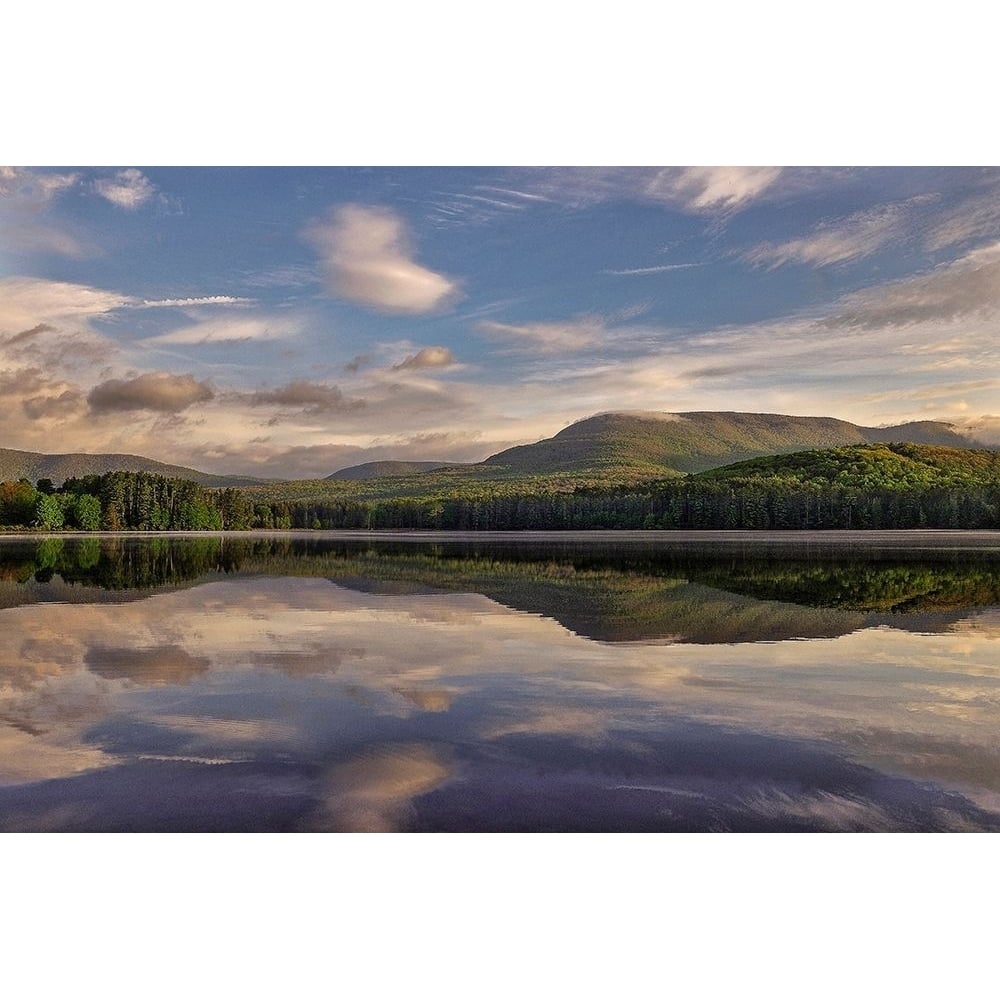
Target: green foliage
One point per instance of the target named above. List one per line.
(47, 513)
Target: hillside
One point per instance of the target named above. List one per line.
(376, 470)
(34, 465)
(871, 466)
(658, 444)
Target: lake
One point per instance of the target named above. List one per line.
(524, 682)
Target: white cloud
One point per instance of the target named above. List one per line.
(204, 300)
(974, 219)
(658, 269)
(569, 335)
(705, 189)
(37, 189)
(26, 302)
(231, 329)
(857, 236)
(367, 257)
(129, 189)
(965, 288)
(25, 197)
(696, 190)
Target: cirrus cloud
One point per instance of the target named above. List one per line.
(367, 257)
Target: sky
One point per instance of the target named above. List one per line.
(288, 322)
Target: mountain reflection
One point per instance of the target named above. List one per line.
(667, 593)
(320, 684)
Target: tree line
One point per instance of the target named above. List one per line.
(147, 502)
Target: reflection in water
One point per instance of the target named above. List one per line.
(274, 683)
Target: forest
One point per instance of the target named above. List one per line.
(861, 486)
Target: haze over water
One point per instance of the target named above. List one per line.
(653, 683)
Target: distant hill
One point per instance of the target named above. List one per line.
(862, 467)
(658, 444)
(376, 470)
(34, 465)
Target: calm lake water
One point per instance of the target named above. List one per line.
(605, 682)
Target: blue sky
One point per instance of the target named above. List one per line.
(290, 321)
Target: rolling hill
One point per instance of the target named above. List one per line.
(658, 444)
(34, 465)
(376, 470)
(861, 467)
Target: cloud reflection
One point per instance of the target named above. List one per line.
(380, 699)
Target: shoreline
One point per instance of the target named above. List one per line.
(903, 538)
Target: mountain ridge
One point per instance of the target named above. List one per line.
(35, 465)
(698, 440)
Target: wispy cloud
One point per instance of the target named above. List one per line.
(658, 269)
(835, 242)
(695, 190)
(231, 329)
(549, 337)
(25, 302)
(25, 199)
(366, 253)
(967, 287)
(974, 218)
(709, 189)
(128, 189)
(31, 187)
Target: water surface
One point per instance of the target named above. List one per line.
(625, 682)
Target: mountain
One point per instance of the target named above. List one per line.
(658, 444)
(34, 465)
(376, 470)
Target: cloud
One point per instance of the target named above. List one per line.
(707, 189)
(313, 398)
(30, 188)
(962, 289)
(27, 302)
(53, 406)
(569, 335)
(204, 300)
(229, 329)
(156, 391)
(129, 189)
(857, 236)
(155, 665)
(428, 357)
(357, 363)
(658, 269)
(367, 257)
(974, 219)
(695, 190)
(374, 792)
(25, 199)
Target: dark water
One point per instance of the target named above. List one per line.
(608, 683)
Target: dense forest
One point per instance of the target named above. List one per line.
(860, 486)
